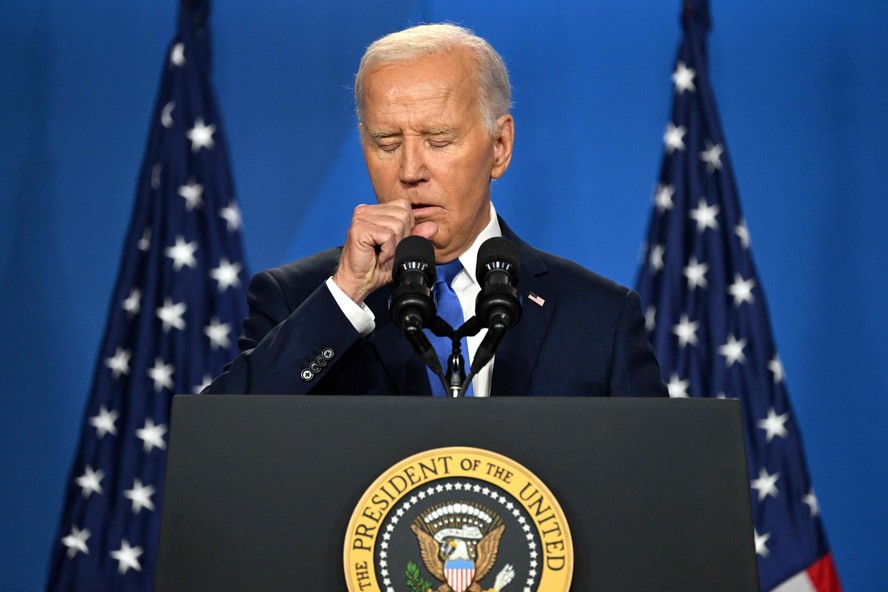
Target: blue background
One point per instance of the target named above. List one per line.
(802, 92)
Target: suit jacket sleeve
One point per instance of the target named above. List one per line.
(287, 346)
(634, 370)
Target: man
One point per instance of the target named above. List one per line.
(433, 106)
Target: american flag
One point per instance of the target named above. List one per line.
(178, 299)
(707, 320)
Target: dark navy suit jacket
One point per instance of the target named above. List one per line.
(587, 338)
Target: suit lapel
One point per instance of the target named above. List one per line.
(517, 357)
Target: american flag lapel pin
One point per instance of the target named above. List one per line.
(538, 300)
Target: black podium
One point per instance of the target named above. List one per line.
(260, 489)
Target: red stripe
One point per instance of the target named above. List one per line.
(823, 575)
(459, 579)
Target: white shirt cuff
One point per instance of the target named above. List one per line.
(359, 315)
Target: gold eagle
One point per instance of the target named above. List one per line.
(485, 551)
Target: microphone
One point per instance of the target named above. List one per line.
(498, 306)
(412, 306)
(414, 275)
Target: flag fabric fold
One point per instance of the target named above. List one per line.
(178, 301)
(707, 320)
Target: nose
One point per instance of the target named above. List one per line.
(413, 170)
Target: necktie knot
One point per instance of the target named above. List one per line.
(448, 271)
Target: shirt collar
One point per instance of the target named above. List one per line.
(469, 258)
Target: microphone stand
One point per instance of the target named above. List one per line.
(454, 380)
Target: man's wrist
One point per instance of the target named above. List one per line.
(358, 314)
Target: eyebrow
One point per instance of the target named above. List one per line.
(382, 134)
(434, 131)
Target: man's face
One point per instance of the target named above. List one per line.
(424, 140)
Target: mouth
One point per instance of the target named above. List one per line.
(421, 208)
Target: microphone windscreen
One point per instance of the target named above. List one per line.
(498, 253)
(415, 253)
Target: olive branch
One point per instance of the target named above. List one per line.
(415, 581)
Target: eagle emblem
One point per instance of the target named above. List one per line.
(458, 543)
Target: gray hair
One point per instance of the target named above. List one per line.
(425, 40)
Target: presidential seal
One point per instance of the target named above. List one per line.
(458, 520)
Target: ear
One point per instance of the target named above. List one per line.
(502, 148)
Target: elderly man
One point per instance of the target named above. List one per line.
(433, 105)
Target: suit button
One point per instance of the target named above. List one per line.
(327, 353)
(307, 375)
(320, 361)
(314, 367)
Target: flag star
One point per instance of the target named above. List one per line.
(776, 368)
(104, 422)
(226, 274)
(712, 156)
(90, 482)
(774, 425)
(232, 216)
(663, 197)
(132, 304)
(218, 334)
(193, 194)
(207, 380)
(683, 78)
(733, 350)
(696, 274)
(674, 137)
(162, 375)
(166, 115)
(811, 500)
(127, 557)
(119, 362)
(705, 215)
(686, 330)
(145, 241)
(182, 253)
(140, 496)
(171, 315)
(152, 436)
(656, 257)
(760, 543)
(201, 135)
(765, 484)
(741, 290)
(678, 389)
(177, 55)
(650, 318)
(76, 541)
(743, 233)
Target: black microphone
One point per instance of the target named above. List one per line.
(411, 306)
(498, 270)
(498, 306)
(414, 275)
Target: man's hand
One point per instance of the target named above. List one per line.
(369, 251)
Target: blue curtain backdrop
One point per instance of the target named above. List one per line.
(802, 94)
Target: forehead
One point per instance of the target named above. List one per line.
(440, 85)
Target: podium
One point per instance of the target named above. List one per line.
(260, 490)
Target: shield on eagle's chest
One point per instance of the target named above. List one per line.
(459, 574)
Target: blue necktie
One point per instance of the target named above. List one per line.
(450, 310)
